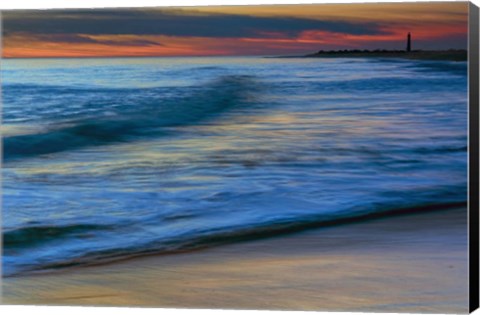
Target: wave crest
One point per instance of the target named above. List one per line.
(144, 120)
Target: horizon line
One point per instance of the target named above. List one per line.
(226, 56)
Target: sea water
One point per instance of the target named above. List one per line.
(105, 159)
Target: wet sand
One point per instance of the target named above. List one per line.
(409, 263)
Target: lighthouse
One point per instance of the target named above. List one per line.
(409, 42)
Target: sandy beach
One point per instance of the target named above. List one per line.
(409, 263)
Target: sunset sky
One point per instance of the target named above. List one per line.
(233, 30)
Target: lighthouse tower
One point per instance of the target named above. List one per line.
(409, 42)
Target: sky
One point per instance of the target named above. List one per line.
(233, 30)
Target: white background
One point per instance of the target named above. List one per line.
(45, 4)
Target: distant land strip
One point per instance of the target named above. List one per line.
(451, 54)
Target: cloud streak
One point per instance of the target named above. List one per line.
(86, 39)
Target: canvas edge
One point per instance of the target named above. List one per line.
(473, 198)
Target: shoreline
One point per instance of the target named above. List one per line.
(407, 263)
(432, 55)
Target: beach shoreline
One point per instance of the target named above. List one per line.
(407, 263)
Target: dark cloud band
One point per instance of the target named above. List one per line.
(170, 23)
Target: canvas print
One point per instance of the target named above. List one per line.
(283, 157)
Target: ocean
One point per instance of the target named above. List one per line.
(111, 158)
